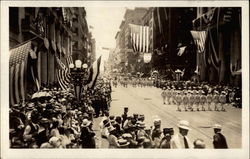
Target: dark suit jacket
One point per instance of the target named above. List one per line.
(220, 141)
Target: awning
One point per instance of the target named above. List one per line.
(18, 70)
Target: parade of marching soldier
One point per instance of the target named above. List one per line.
(125, 77)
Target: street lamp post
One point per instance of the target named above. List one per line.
(79, 76)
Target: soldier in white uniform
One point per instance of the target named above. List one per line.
(178, 100)
(216, 100)
(197, 100)
(185, 100)
(191, 100)
(209, 100)
(168, 94)
(222, 100)
(202, 100)
(164, 95)
(174, 96)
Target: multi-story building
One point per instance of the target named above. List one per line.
(127, 58)
(81, 35)
(172, 28)
(47, 32)
(221, 62)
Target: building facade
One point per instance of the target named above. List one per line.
(221, 61)
(171, 31)
(52, 33)
(128, 60)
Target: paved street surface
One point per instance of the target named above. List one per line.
(148, 101)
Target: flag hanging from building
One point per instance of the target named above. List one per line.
(139, 37)
(63, 78)
(94, 72)
(18, 72)
(200, 40)
(69, 60)
(181, 50)
(62, 74)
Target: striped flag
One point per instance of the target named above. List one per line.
(94, 72)
(63, 78)
(62, 74)
(69, 60)
(64, 13)
(200, 40)
(18, 70)
(139, 37)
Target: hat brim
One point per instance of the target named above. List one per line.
(124, 144)
(217, 128)
(183, 127)
(86, 124)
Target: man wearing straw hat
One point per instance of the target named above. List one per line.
(180, 140)
(87, 135)
(219, 140)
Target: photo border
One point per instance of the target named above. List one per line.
(6, 152)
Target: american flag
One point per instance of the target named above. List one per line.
(94, 71)
(200, 40)
(18, 70)
(62, 74)
(69, 60)
(139, 38)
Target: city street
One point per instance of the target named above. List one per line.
(148, 101)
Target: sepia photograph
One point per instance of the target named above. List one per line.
(125, 77)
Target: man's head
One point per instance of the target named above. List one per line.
(183, 127)
(157, 123)
(106, 113)
(55, 142)
(125, 109)
(217, 128)
(118, 119)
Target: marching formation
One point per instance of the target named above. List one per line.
(134, 82)
(191, 97)
(128, 131)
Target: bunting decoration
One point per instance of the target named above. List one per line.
(62, 74)
(200, 40)
(69, 60)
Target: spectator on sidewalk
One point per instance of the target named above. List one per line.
(181, 140)
(219, 140)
